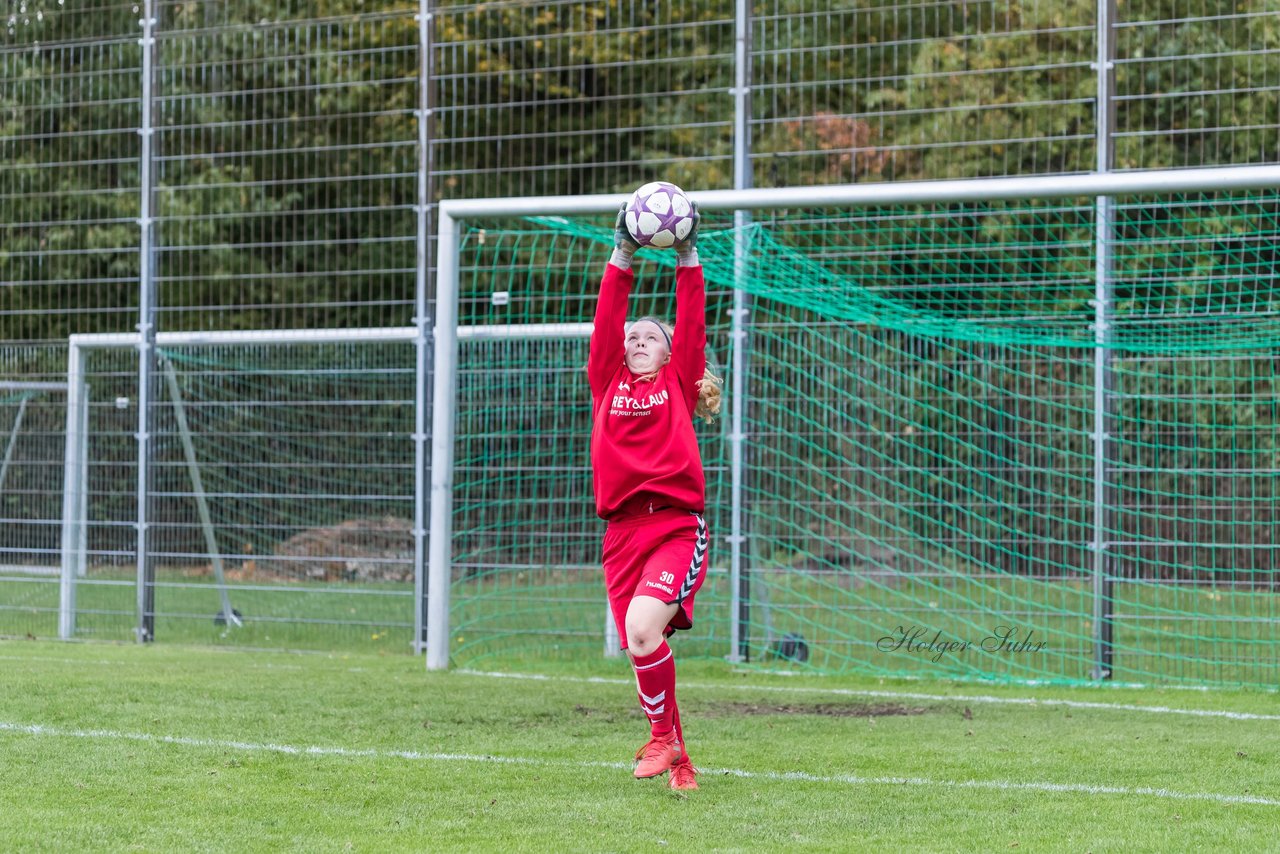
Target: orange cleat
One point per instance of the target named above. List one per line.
(683, 776)
(658, 755)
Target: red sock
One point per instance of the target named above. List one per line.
(675, 720)
(656, 679)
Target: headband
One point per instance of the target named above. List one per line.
(655, 321)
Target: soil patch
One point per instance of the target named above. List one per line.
(830, 710)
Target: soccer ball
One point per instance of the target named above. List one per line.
(659, 214)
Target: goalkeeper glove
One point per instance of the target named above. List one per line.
(624, 245)
(687, 249)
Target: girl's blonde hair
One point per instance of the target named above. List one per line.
(710, 387)
(709, 394)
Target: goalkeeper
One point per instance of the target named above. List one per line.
(648, 381)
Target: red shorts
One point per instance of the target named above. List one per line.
(663, 555)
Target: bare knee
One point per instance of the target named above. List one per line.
(643, 640)
(646, 624)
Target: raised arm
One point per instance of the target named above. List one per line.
(689, 344)
(607, 334)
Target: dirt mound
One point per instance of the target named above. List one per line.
(354, 550)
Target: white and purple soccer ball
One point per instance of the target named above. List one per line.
(659, 214)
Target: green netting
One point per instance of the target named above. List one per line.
(921, 389)
(1191, 272)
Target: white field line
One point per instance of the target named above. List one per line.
(250, 665)
(780, 689)
(128, 663)
(901, 695)
(790, 776)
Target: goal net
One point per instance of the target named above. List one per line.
(31, 414)
(281, 489)
(1028, 439)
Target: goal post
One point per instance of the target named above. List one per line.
(75, 516)
(861, 319)
(210, 426)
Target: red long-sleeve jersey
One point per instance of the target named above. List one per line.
(644, 453)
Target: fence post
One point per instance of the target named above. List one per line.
(739, 579)
(421, 321)
(145, 629)
(1103, 649)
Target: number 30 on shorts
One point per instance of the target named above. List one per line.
(667, 578)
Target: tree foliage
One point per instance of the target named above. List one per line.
(287, 139)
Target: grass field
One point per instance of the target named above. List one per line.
(161, 748)
(1164, 633)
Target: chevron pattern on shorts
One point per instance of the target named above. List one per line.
(695, 565)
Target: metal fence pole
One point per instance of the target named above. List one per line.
(739, 578)
(421, 321)
(1103, 649)
(145, 629)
